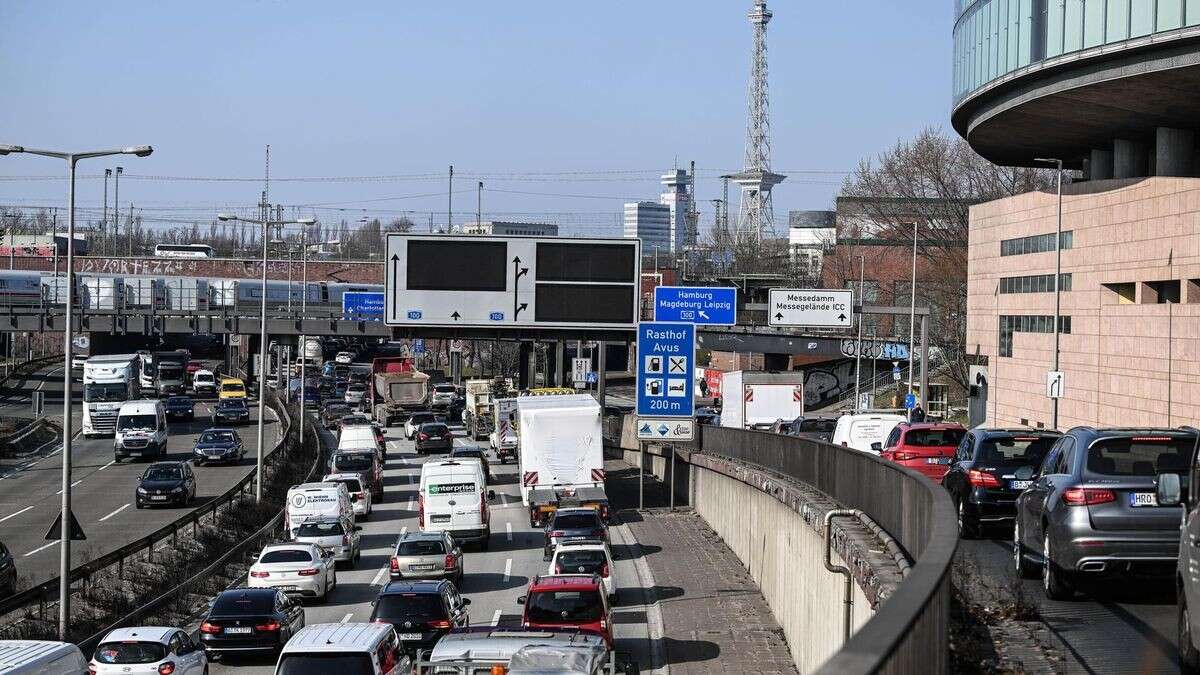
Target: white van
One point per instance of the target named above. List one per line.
(360, 436)
(860, 430)
(316, 499)
(141, 430)
(453, 499)
(39, 657)
(355, 648)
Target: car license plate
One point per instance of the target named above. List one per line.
(440, 519)
(286, 589)
(420, 568)
(1020, 484)
(241, 630)
(937, 460)
(158, 498)
(1143, 499)
(409, 636)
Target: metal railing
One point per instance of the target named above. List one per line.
(45, 594)
(909, 632)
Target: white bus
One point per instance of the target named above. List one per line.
(183, 251)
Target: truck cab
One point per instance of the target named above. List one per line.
(108, 381)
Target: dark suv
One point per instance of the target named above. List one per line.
(572, 523)
(982, 477)
(1092, 507)
(421, 611)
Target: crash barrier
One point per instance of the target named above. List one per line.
(766, 494)
(272, 531)
(24, 370)
(35, 434)
(43, 598)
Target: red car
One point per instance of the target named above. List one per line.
(193, 366)
(927, 447)
(568, 601)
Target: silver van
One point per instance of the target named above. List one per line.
(39, 657)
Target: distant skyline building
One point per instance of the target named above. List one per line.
(810, 235)
(509, 228)
(650, 222)
(677, 196)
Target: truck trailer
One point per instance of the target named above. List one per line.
(477, 411)
(561, 461)
(396, 389)
(750, 399)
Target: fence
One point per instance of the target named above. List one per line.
(909, 633)
(46, 593)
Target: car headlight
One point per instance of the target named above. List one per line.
(177, 490)
(141, 491)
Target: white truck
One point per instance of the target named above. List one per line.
(504, 439)
(477, 410)
(561, 462)
(108, 381)
(756, 399)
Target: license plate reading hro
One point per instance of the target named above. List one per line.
(1143, 499)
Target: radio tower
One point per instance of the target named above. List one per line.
(756, 215)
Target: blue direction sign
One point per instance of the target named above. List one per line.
(363, 306)
(910, 401)
(666, 359)
(704, 306)
(418, 346)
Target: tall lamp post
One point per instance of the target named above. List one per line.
(64, 567)
(1057, 281)
(266, 224)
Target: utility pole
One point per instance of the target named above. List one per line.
(858, 348)
(450, 203)
(129, 230)
(54, 238)
(116, 209)
(104, 217)
(479, 205)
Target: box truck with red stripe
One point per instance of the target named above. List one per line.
(758, 399)
(561, 461)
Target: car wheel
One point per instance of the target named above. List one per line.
(1189, 657)
(1054, 583)
(966, 529)
(198, 462)
(1021, 564)
(137, 504)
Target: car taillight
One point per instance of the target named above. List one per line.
(442, 623)
(604, 570)
(91, 669)
(603, 624)
(395, 564)
(449, 564)
(423, 437)
(166, 668)
(269, 626)
(260, 575)
(983, 479)
(1087, 496)
(209, 628)
(345, 540)
(903, 456)
(604, 513)
(421, 510)
(309, 572)
(555, 534)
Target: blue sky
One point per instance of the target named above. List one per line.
(405, 88)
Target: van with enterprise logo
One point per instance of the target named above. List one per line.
(454, 499)
(316, 499)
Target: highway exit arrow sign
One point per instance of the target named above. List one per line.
(811, 307)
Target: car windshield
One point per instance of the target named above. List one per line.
(437, 429)
(99, 393)
(563, 606)
(170, 372)
(583, 562)
(320, 664)
(357, 388)
(477, 454)
(409, 607)
(933, 438)
(179, 401)
(130, 652)
(131, 422)
(352, 484)
(232, 405)
(816, 426)
(353, 420)
(202, 377)
(444, 388)
(1140, 456)
(232, 387)
(217, 437)
(237, 602)
(1021, 450)
(320, 530)
(576, 521)
(353, 461)
(420, 547)
(287, 555)
(163, 473)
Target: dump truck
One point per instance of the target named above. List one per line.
(561, 460)
(477, 412)
(396, 389)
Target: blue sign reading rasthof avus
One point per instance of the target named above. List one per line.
(705, 306)
(666, 355)
(362, 306)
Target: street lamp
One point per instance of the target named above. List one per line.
(64, 565)
(266, 224)
(1057, 281)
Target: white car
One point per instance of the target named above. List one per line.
(343, 357)
(360, 498)
(300, 569)
(355, 393)
(584, 556)
(149, 649)
(338, 536)
(204, 382)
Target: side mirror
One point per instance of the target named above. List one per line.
(491, 495)
(1169, 493)
(466, 601)
(358, 528)
(877, 447)
(1024, 473)
(521, 600)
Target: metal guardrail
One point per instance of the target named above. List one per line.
(46, 592)
(264, 535)
(909, 633)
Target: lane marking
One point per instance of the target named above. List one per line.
(14, 515)
(40, 549)
(346, 619)
(507, 569)
(114, 513)
(411, 502)
(508, 531)
(72, 485)
(108, 465)
(379, 575)
(496, 618)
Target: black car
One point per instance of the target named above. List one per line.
(231, 411)
(353, 419)
(218, 445)
(166, 483)
(572, 523)
(421, 611)
(816, 427)
(180, 408)
(418, 418)
(333, 413)
(250, 619)
(8, 571)
(472, 452)
(434, 436)
(982, 477)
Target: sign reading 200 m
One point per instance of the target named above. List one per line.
(474, 281)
